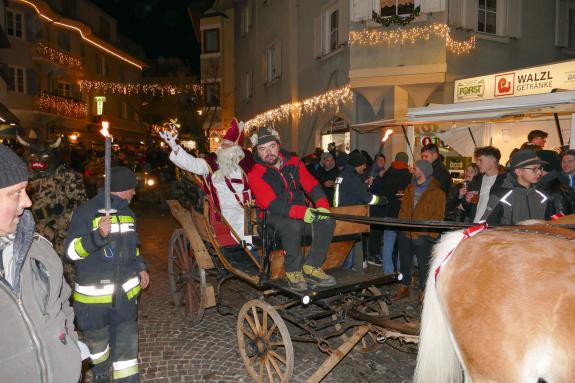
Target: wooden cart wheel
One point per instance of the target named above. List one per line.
(187, 279)
(264, 342)
(378, 308)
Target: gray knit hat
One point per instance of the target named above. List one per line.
(122, 179)
(12, 169)
(425, 167)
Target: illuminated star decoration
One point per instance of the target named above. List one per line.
(411, 35)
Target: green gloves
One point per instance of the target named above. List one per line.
(322, 210)
(310, 214)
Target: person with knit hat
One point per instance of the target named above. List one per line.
(225, 181)
(280, 183)
(424, 200)
(519, 197)
(391, 185)
(39, 343)
(109, 274)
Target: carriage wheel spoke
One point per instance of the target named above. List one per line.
(269, 370)
(270, 331)
(264, 323)
(247, 334)
(276, 344)
(256, 320)
(261, 374)
(275, 355)
(252, 360)
(276, 367)
(251, 324)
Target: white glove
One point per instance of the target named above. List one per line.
(170, 140)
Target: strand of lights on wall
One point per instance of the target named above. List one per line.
(56, 56)
(62, 106)
(132, 88)
(85, 38)
(330, 99)
(411, 35)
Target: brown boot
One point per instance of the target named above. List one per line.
(402, 292)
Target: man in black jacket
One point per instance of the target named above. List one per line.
(109, 276)
(391, 185)
(430, 153)
(482, 186)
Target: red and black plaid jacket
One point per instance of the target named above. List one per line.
(283, 191)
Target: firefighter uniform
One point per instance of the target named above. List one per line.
(107, 285)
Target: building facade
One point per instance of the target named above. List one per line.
(56, 44)
(292, 50)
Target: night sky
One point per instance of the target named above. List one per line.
(162, 27)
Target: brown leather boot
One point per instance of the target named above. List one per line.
(402, 292)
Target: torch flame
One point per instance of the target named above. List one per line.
(386, 135)
(104, 131)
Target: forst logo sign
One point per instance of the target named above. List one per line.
(504, 84)
(470, 90)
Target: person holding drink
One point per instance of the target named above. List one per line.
(477, 192)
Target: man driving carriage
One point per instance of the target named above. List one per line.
(280, 183)
(225, 181)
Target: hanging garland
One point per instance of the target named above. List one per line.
(386, 21)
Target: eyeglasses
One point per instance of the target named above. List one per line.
(534, 170)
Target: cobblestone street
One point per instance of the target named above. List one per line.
(172, 351)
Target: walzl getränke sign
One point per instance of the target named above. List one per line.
(522, 82)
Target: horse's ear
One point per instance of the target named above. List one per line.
(22, 141)
(56, 143)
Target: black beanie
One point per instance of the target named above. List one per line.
(12, 169)
(356, 159)
(122, 179)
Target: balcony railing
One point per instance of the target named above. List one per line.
(55, 56)
(63, 106)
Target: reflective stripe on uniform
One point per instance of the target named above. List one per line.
(338, 181)
(373, 200)
(504, 198)
(76, 250)
(90, 299)
(100, 357)
(137, 251)
(132, 287)
(115, 219)
(93, 294)
(125, 368)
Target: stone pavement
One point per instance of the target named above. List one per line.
(172, 351)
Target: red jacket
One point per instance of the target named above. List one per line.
(282, 191)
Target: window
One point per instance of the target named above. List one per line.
(273, 62)
(14, 24)
(571, 30)
(64, 89)
(396, 7)
(330, 30)
(487, 16)
(101, 65)
(70, 8)
(246, 19)
(212, 93)
(248, 85)
(17, 80)
(211, 43)
(104, 28)
(64, 40)
(124, 111)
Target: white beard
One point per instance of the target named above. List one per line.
(228, 161)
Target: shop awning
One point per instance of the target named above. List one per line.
(452, 115)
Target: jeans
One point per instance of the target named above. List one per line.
(421, 246)
(291, 232)
(389, 237)
(350, 260)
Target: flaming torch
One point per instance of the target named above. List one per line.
(386, 136)
(107, 168)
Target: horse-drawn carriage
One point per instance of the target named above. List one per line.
(352, 313)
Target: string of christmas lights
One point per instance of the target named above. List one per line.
(411, 35)
(327, 100)
(61, 105)
(56, 56)
(132, 89)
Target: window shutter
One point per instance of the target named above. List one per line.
(514, 17)
(31, 82)
(361, 9)
(30, 27)
(265, 66)
(561, 23)
(471, 11)
(316, 37)
(456, 13)
(343, 31)
(428, 6)
(278, 59)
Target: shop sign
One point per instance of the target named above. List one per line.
(522, 82)
(426, 140)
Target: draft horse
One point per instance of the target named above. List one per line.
(501, 308)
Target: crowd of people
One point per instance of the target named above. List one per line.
(297, 194)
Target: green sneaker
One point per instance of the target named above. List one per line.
(317, 276)
(296, 281)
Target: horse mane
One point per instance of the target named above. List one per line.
(437, 359)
